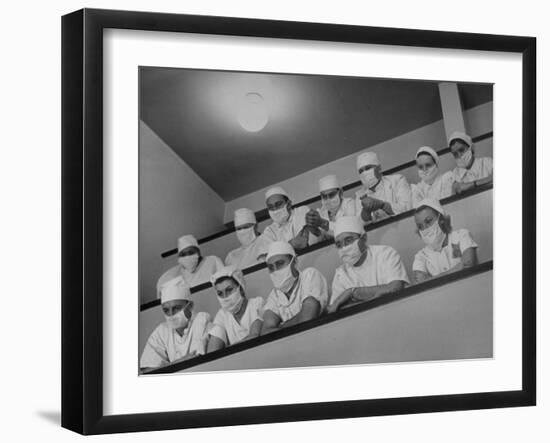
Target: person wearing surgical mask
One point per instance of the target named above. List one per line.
(289, 224)
(253, 246)
(446, 250)
(297, 296)
(240, 318)
(470, 171)
(368, 271)
(182, 335)
(334, 206)
(380, 196)
(192, 266)
(432, 183)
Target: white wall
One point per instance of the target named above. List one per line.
(392, 152)
(173, 201)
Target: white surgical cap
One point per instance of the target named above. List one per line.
(228, 271)
(431, 203)
(348, 223)
(280, 248)
(429, 151)
(185, 241)
(276, 190)
(175, 289)
(367, 159)
(328, 182)
(244, 216)
(461, 136)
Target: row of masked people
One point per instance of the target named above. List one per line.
(379, 196)
(367, 272)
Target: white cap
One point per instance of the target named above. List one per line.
(431, 203)
(429, 151)
(276, 190)
(175, 289)
(279, 248)
(461, 136)
(244, 216)
(348, 223)
(228, 271)
(328, 182)
(367, 159)
(185, 241)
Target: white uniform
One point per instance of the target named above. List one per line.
(229, 330)
(382, 266)
(441, 187)
(311, 284)
(165, 345)
(290, 229)
(393, 189)
(481, 168)
(346, 208)
(208, 266)
(246, 256)
(435, 262)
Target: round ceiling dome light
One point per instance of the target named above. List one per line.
(252, 112)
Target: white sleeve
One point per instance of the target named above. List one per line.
(419, 263)
(465, 240)
(338, 286)
(402, 195)
(199, 338)
(416, 195)
(315, 285)
(271, 304)
(393, 267)
(154, 354)
(218, 328)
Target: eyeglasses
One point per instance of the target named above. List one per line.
(277, 205)
(459, 152)
(329, 195)
(366, 168)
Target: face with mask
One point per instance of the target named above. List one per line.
(229, 294)
(350, 246)
(462, 152)
(332, 199)
(246, 233)
(428, 223)
(427, 168)
(177, 313)
(282, 271)
(370, 175)
(279, 208)
(189, 258)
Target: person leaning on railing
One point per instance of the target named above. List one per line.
(240, 317)
(297, 296)
(380, 196)
(470, 171)
(195, 268)
(182, 334)
(433, 183)
(446, 250)
(253, 245)
(289, 224)
(334, 206)
(368, 271)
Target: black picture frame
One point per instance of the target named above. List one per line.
(82, 220)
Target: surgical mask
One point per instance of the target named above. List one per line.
(332, 204)
(368, 178)
(429, 175)
(189, 262)
(233, 302)
(178, 320)
(283, 278)
(433, 236)
(279, 215)
(351, 253)
(465, 159)
(246, 236)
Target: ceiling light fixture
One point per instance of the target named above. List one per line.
(252, 112)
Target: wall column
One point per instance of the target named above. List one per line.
(453, 118)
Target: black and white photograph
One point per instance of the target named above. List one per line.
(292, 221)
